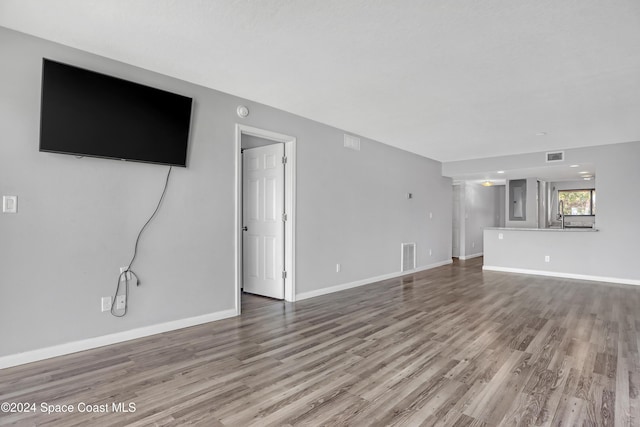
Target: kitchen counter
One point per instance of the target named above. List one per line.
(547, 252)
(567, 229)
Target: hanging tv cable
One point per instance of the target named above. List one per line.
(128, 272)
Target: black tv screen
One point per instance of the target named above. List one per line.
(85, 113)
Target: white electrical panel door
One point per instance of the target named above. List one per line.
(263, 221)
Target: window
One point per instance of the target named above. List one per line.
(578, 202)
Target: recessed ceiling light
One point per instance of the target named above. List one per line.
(582, 172)
(574, 166)
(487, 183)
(541, 134)
(587, 178)
(500, 171)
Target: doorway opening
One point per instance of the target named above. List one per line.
(263, 148)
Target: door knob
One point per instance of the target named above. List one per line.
(244, 228)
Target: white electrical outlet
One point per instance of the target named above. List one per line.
(128, 275)
(430, 252)
(10, 204)
(121, 302)
(106, 304)
(500, 236)
(473, 244)
(547, 258)
(430, 215)
(337, 268)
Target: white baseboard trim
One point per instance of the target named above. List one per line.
(90, 343)
(563, 275)
(344, 286)
(466, 257)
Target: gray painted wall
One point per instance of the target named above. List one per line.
(481, 210)
(543, 204)
(250, 141)
(458, 223)
(570, 252)
(531, 220)
(78, 218)
(610, 252)
(501, 202)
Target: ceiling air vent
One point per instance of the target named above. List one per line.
(555, 156)
(408, 256)
(352, 142)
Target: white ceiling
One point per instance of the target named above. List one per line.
(449, 80)
(544, 173)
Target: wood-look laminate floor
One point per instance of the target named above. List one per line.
(451, 346)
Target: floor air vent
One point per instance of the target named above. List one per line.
(408, 256)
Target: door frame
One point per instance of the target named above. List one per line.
(290, 205)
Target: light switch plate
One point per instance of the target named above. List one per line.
(106, 304)
(9, 204)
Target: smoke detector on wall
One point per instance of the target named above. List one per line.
(242, 111)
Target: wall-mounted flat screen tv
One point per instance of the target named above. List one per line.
(85, 113)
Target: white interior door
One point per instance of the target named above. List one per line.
(263, 231)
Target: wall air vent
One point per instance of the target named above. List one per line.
(555, 156)
(352, 142)
(408, 257)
